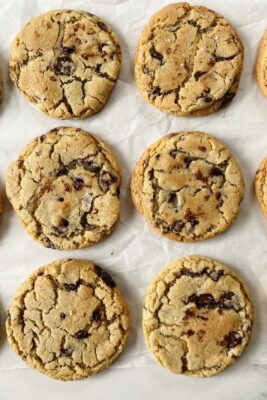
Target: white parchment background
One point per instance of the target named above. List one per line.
(134, 254)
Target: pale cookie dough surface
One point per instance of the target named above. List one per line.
(66, 62)
(68, 320)
(188, 186)
(188, 61)
(261, 185)
(197, 317)
(261, 65)
(64, 187)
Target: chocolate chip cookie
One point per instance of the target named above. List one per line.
(261, 185)
(188, 61)
(197, 317)
(64, 187)
(66, 62)
(68, 320)
(188, 186)
(261, 65)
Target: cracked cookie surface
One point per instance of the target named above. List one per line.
(197, 317)
(64, 187)
(188, 186)
(66, 62)
(188, 60)
(261, 185)
(261, 65)
(68, 320)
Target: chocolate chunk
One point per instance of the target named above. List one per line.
(189, 313)
(176, 227)
(155, 54)
(102, 26)
(215, 171)
(71, 287)
(190, 299)
(99, 72)
(206, 99)
(68, 49)
(96, 316)
(66, 352)
(188, 160)
(42, 138)
(215, 275)
(156, 91)
(81, 335)
(233, 339)
(205, 300)
(64, 223)
(64, 66)
(198, 74)
(190, 332)
(225, 300)
(78, 183)
(63, 170)
(172, 199)
(62, 316)
(91, 167)
(60, 199)
(104, 276)
(190, 217)
(106, 179)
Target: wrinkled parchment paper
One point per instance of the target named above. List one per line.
(134, 254)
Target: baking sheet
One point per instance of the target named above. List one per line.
(134, 254)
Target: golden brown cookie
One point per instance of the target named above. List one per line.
(188, 186)
(66, 62)
(68, 320)
(64, 187)
(188, 60)
(197, 317)
(261, 185)
(261, 65)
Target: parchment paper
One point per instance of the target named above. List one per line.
(134, 254)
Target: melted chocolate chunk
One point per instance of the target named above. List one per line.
(62, 316)
(81, 335)
(106, 179)
(68, 49)
(155, 54)
(188, 160)
(215, 171)
(205, 300)
(78, 183)
(42, 138)
(99, 72)
(63, 170)
(190, 332)
(225, 300)
(104, 276)
(172, 199)
(64, 66)
(66, 352)
(96, 316)
(72, 287)
(91, 167)
(189, 313)
(156, 91)
(176, 227)
(190, 217)
(233, 339)
(60, 199)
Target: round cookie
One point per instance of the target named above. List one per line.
(261, 185)
(68, 320)
(188, 60)
(197, 317)
(188, 186)
(261, 65)
(64, 187)
(66, 62)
